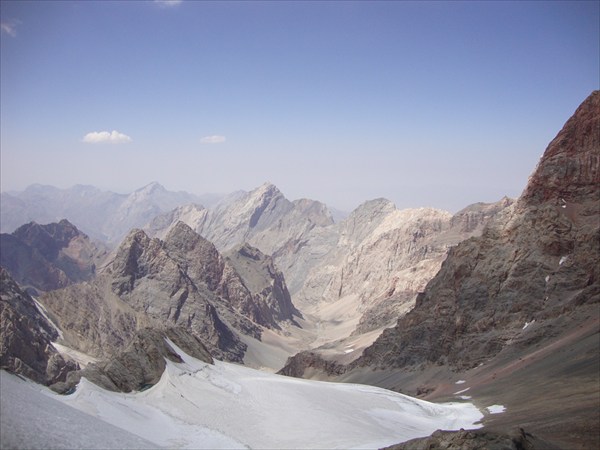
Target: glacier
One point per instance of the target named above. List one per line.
(198, 405)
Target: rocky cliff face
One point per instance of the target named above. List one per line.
(258, 273)
(26, 345)
(52, 256)
(381, 259)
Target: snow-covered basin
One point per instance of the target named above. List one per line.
(197, 405)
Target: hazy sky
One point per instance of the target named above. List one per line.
(428, 104)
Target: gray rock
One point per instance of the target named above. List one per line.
(141, 363)
(26, 345)
(517, 439)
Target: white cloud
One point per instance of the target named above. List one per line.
(215, 139)
(114, 137)
(167, 3)
(10, 27)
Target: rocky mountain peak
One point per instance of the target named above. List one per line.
(375, 207)
(49, 256)
(135, 237)
(152, 188)
(262, 200)
(266, 189)
(359, 224)
(48, 238)
(181, 232)
(135, 258)
(569, 170)
(315, 211)
(196, 255)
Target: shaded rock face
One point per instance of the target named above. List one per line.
(26, 345)
(297, 365)
(476, 439)
(141, 363)
(51, 256)
(92, 318)
(538, 263)
(271, 301)
(182, 281)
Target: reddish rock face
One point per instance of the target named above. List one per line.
(569, 171)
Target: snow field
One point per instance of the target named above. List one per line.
(197, 405)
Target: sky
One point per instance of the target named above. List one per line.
(438, 104)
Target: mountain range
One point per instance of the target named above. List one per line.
(496, 305)
(103, 215)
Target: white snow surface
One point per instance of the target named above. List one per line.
(31, 420)
(44, 313)
(461, 391)
(198, 405)
(528, 323)
(82, 359)
(496, 409)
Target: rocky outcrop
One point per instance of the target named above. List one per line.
(297, 365)
(517, 439)
(26, 344)
(46, 257)
(141, 363)
(92, 318)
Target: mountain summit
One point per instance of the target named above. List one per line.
(569, 170)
